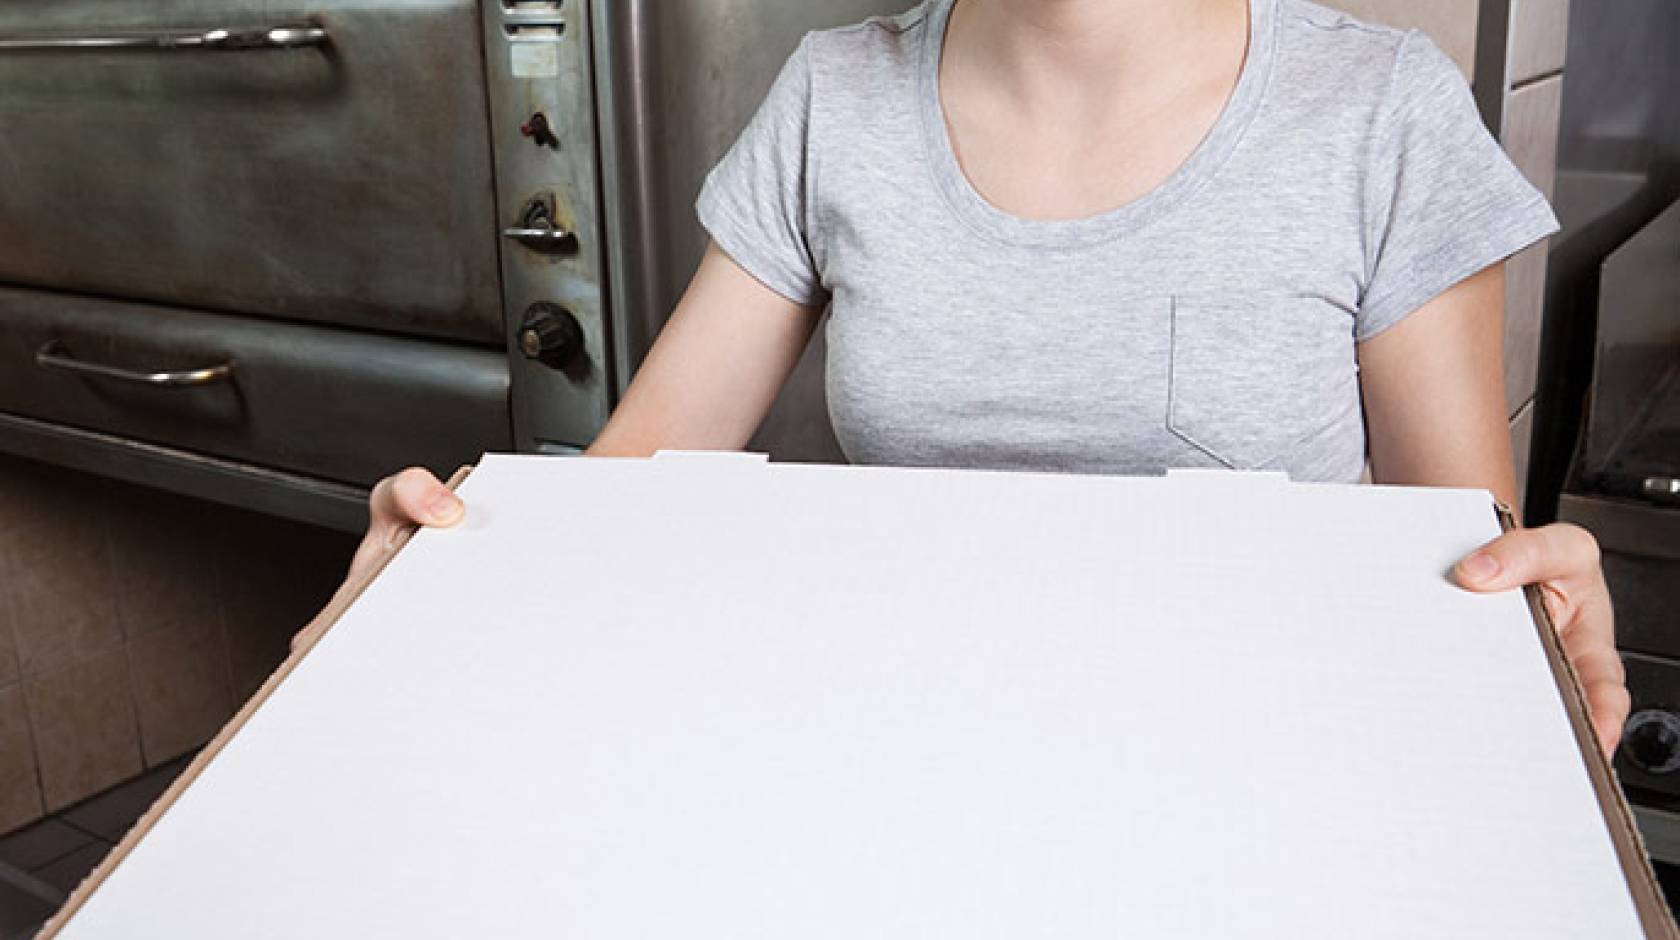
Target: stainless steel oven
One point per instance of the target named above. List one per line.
(266, 252)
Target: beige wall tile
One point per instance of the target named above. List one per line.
(163, 555)
(278, 576)
(1530, 135)
(82, 715)
(1451, 23)
(1539, 38)
(9, 669)
(109, 686)
(20, 788)
(1522, 440)
(180, 676)
(59, 581)
(17, 492)
(1525, 301)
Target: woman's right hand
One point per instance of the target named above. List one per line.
(411, 497)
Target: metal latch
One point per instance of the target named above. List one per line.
(538, 229)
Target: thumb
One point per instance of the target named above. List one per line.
(1527, 556)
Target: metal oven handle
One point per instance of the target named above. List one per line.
(219, 39)
(536, 237)
(53, 355)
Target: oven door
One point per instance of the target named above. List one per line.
(329, 403)
(312, 161)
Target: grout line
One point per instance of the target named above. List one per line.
(63, 820)
(122, 626)
(31, 885)
(34, 743)
(219, 582)
(1536, 79)
(10, 600)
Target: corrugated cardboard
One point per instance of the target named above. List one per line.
(1628, 849)
(1630, 845)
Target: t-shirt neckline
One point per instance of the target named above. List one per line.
(1202, 163)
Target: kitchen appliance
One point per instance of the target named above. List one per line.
(1625, 488)
(266, 253)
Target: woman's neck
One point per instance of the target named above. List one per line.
(1085, 52)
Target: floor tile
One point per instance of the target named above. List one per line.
(111, 814)
(47, 841)
(22, 910)
(68, 872)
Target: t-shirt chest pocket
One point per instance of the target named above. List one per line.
(1251, 380)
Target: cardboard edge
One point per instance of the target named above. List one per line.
(1648, 902)
(1655, 918)
(307, 638)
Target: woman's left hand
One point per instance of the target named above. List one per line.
(1563, 561)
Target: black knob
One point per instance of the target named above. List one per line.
(551, 335)
(1651, 740)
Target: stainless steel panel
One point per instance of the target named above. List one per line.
(330, 403)
(1625, 526)
(1525, 302)
(537, 57)
(258, 489)
(348, 182)
(1522, 440)
(1661, 830)
(678, 82)
(1638, 337)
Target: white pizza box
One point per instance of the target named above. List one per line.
(706, 696)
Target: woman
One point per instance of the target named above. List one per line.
(1116, 236)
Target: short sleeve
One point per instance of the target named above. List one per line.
(1443, 201)
(754, 201)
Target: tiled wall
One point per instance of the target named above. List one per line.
(1529, 75)
(132, 623)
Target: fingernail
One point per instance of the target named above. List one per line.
(443, 507)
(1480, 567)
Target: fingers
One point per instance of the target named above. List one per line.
(413, 496)
(1594, 656)
(1608, 703)
(1603, 679)
(1560, 553)
(1564, 561)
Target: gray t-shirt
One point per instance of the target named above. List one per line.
(1211, 322)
